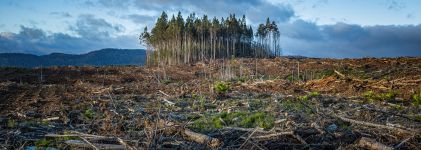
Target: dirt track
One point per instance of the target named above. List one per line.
(126, 102)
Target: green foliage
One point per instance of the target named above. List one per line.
(371, 96)
(238, 119)
(325, 73)
(43, 143)
(166, 81)
(176, 41)
(89, 113)
(416, 99)
(221, 87)
(296, 105)
(256, 104)
(200, 104)
(11, 123)
(314, 94)
(57, 143)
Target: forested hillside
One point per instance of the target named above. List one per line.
(102, 57)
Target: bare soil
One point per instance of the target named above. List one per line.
(317, 103)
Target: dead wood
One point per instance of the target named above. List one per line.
(89, 143)
(82, 144)
(372, 144)
(246, 129)
(166, 100)
(403, 142)
(201, 138)
(271, 136)
(409, 131)
(172, 128)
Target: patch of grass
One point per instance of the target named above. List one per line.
(417, 117)
(303, 98)
(397, 107)
(324, 73)
(371, 96)
(240, 79)
(391, 95)
(43, 143)
(314, 94)
(58, 143)
(237, 119)
(296, 105)
(200, 104)
(256, 104)
(221, 87)
(166, 81)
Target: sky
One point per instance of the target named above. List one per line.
(313, 28)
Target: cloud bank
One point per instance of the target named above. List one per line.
(90, 34)
(299, 37)
(343, 40)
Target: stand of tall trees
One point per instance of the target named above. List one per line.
(175, 40)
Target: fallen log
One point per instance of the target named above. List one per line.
(372, 144)
(50, 119)
(84, 145)
(246, 129)
(201, 138)
(409, 131)
(171, 128)
(271, 136)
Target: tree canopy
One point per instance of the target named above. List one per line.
(176, 40)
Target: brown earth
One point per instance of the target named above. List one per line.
(126, 102)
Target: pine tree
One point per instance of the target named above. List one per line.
(180, 41)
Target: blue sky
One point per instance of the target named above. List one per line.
(315, 28)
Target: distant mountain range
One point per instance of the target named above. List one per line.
(103, 57)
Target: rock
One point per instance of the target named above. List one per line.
(332, 128)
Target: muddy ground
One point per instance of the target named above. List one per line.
(280, 103)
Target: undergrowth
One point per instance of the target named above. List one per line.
(371, 96)
(235, 119)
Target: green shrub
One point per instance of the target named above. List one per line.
(416, 99)
(89, 113)
(221, 87)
